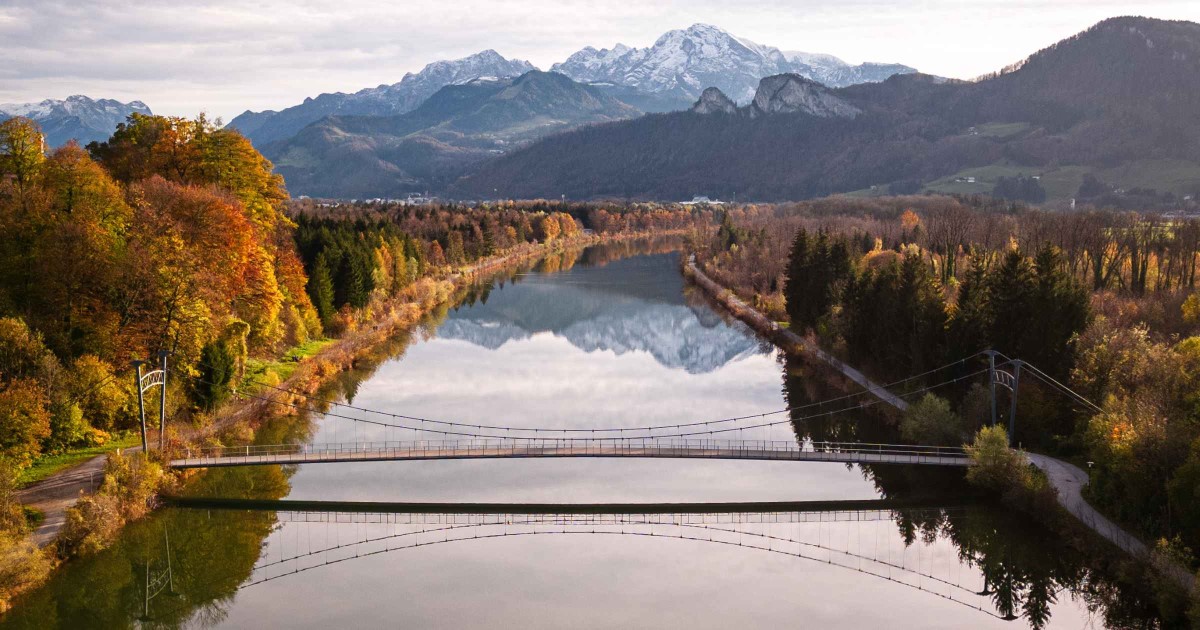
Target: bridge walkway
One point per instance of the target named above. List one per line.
(841, 452)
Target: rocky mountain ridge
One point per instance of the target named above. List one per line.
(684, 62)
(77, 117)
(384, 100)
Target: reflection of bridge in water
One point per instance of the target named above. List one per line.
(858, 536)
(763, 450)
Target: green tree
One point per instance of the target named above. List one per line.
(22, 151)
(217, 369)
(995, 465)
(320, 289)
(1011, 289)
(930, 421)
(971, 321)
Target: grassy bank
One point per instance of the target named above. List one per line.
(44, 467)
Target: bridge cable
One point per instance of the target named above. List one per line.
(604, 429)
(590, 439)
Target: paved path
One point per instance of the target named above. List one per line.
(54, 494)
(1068, 480)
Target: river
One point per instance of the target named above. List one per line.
(608, 339)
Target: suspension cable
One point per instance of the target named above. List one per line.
(468, 425)
(592, 439)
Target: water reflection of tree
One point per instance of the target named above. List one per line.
(1025, 565)
(212, 554)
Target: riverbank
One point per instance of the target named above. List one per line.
(237, 420)
(1066, 479)
(783, 337)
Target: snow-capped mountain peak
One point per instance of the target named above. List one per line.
(684, 62)
(76, 117)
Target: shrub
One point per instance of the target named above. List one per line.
(130, 482)
(996, 466)
(930, 421)
(22, 565)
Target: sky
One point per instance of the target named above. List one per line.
(225, 56)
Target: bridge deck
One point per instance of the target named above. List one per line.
(692, 449)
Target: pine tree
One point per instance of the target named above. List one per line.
(320, 289)
(1011, 289)
(796, 279)
(971, 324)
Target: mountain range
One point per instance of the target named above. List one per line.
(682, 63)
(1118, 100)
(666, 76)
(431, 146)
(385, 100)
(76, 118)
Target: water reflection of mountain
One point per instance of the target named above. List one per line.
(630, 305)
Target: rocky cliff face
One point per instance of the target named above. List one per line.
(714, 101)
(791, 93)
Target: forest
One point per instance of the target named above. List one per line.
(1103, 301)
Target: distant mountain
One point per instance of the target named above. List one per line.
(76, 118)
(682, 63)
(1120, 97)
(460, 125)
(386, 100)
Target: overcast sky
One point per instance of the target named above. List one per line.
(225, 56)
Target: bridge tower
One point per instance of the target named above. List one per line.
(1008, 380)
(144, 382)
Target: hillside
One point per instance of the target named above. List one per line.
(1113, 99)
(460, 125)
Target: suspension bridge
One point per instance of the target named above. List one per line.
(762, 450)
(685, 440)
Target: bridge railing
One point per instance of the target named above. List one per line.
(528, 447)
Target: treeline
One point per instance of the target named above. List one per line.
(1105, 302)
(350, 262)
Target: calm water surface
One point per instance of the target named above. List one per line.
(580, 343)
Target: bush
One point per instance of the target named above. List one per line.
(996, 466)
(930, 421)
(130, 483)
(22, 565)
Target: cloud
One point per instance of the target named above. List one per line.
(225, 56)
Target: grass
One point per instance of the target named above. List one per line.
(1060, 183)
(279, 370)
(33, 516)
(1002, 130)
(1177, 176)
(48, 465)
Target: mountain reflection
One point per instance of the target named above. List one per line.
(629, 305)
